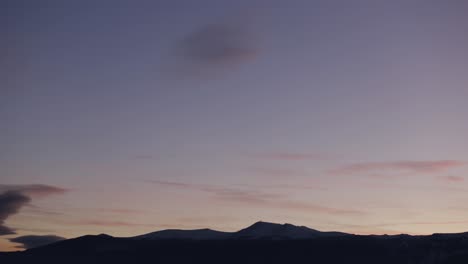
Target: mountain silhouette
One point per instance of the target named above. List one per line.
(259, 230)
(265, 230)
(261, 242)
(197, 234)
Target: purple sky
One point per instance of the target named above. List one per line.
(338, 115)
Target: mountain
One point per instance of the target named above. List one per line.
(197, 234)
(265, 230)
(262, 230)
(259, 243)
(259, 230)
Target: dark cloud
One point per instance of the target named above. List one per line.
(14, 197)
(35, 241)
(10, 204)
(33, 189)
(210, 51)
(6, 231)
(217, 44)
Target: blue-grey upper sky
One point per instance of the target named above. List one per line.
(338, 115)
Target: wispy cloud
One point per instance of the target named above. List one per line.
(250, 197)
(32, 241)
(14, 197)
(291, 156)
(243, 196)
(309, 207)
(284, 186)
(178, 184)
(393, 227)
(417, 223)
(111, 223)
(451, 179)
(414, 187)
(435, 223)
(42, 211)
(416, 167)
(121, 211)
(277, 172)
(219, 191)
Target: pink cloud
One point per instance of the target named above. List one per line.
(277, 172)
(422, 223)
(305, 206)
(110, 223)
(439, 223)
(258, 198)
(279, 201)
(175, 184)
(399, 166)
(451, 178)
(311, 186)
(121, 211)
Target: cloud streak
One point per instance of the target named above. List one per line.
(290, 156)
(110, 223)
(257, 198)
(451, 179)
(33, 189)
(277, 172)
(417, 167)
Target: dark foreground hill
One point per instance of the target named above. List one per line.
(278, 248)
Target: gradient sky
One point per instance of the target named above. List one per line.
(125, 117)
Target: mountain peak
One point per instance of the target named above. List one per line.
(104, 235)
(270, 224)
(263, 223)
(263, 229)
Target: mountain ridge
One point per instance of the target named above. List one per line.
(258, 230)
(261, 242)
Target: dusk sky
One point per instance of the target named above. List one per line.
(126, 117)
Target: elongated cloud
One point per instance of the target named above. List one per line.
(257, 198)
(110, 223)
(437, 166)
(31, 241)
(278, 172)
(14, 197)
(291, 156)
(33, 189)
(450, 178)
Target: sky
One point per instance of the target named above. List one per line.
(126, 117)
